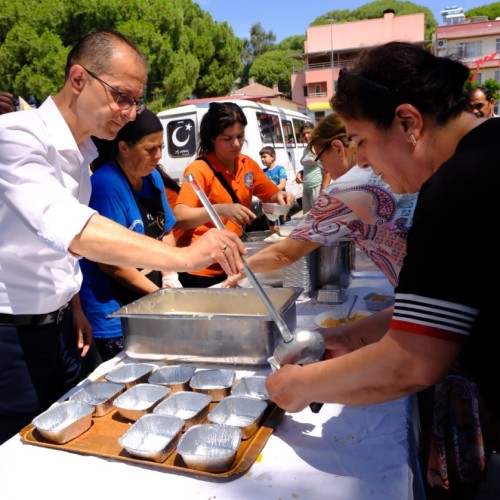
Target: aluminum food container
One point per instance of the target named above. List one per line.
(175, 377)
(240, 411)
(215, 383)
(207, 325)
(100, 395)
(252, 386)
(379, 301)
(140, 400)
(64, 422)
(130, 374)
(192, 407)
(210, 447)
(153, 437)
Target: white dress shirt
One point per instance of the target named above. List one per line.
(44, 193)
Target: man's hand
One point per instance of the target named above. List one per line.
(6, 103)
(83, 328)
(218, 245)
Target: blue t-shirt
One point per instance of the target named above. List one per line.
(113, 198)
(276, 174)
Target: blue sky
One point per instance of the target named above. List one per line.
(284, 18)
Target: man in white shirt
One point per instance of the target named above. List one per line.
(46, 225)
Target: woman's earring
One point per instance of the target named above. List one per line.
(413, 140)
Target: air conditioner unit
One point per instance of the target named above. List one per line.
(442, 44)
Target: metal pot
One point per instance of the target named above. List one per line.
(335, 263)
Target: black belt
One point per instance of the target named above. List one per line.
(33, 319)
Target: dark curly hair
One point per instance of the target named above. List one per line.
(385, 76)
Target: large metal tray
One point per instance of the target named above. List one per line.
(207, 325)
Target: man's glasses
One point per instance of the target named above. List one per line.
(121, 99)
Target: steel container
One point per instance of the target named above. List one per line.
(334, 264)
(208, 325)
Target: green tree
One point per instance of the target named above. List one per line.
(259, 42)
(187, 51)
(491, 10)
(274, 66)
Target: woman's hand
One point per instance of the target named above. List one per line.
(236, 212)
(232, 281)
(283, 198)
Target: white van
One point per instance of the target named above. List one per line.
(267, 126)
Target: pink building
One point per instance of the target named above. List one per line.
(330, 47)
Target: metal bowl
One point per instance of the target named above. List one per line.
(153, 437)
(140, 400)
(192, 407)
(176, 377)
(209, 447)
(65, 421)
(240, 411)
(216, 383)
(100, 395)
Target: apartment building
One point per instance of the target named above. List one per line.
(330, 47)
(475, 42)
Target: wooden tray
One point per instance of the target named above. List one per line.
(101, 440)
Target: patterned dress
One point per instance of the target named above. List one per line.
(361, 207)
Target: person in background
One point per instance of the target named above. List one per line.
(482, 102)
(46, 225)
(357, 205)
(313, 178)
(6, 103)
(229, 179)
(276, 173)
(407, 112)
(129, 190)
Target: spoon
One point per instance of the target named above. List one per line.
(351, 307)
(306, 346)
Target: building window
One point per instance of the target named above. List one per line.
(497, 45)
(317, 89)
(497, 76)
(306, 93)
(469, 50)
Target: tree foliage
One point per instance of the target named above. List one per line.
(187, 52)
(274, 67)
(491, 10)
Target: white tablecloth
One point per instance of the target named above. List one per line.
(341, 453)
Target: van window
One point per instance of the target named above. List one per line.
(288, 131)
(270, 130)
(181, 138)
(297, 124)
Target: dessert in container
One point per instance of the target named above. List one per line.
(64, 421)
(192, 407)
(241, 411)
(253, 386)
(378, 301)
(209, 447)
(153, 437)
(176, 377)
(140, 400)
(215, 383)
(131, 374)
(100, 395)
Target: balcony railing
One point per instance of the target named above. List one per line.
(317, 94)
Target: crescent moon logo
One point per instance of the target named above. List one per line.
(176, 140)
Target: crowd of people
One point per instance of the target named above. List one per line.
(406, 156)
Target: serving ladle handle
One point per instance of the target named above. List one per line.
(283, 328)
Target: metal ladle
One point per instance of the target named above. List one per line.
(306, 346)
